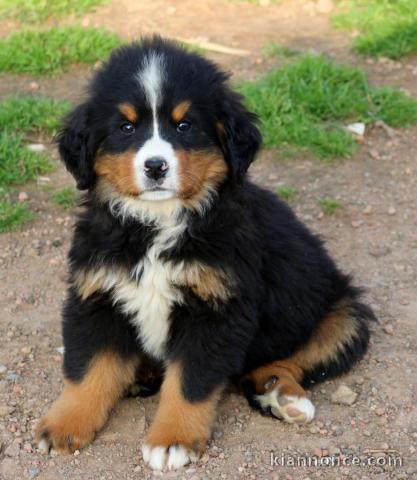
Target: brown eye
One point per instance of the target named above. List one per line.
(127, 128)
(183, 126)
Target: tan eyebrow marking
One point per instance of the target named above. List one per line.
(180, 110)
(129, 112)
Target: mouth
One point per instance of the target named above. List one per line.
(157, 193)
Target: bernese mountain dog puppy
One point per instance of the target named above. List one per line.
(183, 272)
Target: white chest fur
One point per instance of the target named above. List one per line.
(149, 299)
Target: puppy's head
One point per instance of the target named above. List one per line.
(160, 123)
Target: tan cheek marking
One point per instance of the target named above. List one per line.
(83, 408)
(178, 113)
(199, 170)
(129, 112)
(178, 421)
(120, 171)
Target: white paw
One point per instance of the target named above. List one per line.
(290, 408)
(173, 457)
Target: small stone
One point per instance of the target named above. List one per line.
(13, 450)
(3, 369)
(34, 472)
(5, 410)
(34, 86)
(60, 350)
(76, 453)
(379, 411)
(36, 147)
(392, 211)
(357, 129)
(314, 429)
(389, 329)
(367, 210)
(23, 196)
(26, 350)
(374, 154)
(344, 396)
(367, 433)
(318, 452)
(356, 224)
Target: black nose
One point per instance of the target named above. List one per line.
(155, 168)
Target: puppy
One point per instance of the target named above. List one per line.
(181, 269)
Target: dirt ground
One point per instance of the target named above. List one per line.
(373, 235)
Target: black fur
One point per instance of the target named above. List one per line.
(284, 282)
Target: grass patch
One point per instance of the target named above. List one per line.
(35, 114)
(387, 28)
(13, 215)
(52, 51)
(287, 193)
(329, 205)
(19, 117)
(35, 11)
(65, 198)
(305, 106)
(273, 49)
(17, 163)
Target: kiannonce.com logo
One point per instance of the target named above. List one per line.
(378, 458)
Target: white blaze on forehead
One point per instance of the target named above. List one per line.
(151, 78)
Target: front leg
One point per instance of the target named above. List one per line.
(100, 361)
(82, 408)
(181, 427)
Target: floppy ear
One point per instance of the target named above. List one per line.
(240, 137)
(77, 148)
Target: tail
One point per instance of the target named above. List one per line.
(340, 340)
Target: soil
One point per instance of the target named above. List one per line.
(373, 236)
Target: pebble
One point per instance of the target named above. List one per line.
(5, 410)
(36, 147)
(389, 329)
(379, 411)
(357, 129)
(367, 210)
(3, 369)
(34, 472)
(344, 396)
(34, 86)
(392, 211)
(23, 196)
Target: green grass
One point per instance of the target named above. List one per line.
(17, 163)
(329, 205)
(23, 114)
(18, 118)
(306, 105)
(65, 198)
(53, 50)
(386, 28)
(273, 49)
(13, 215)
(35, 11)
(286, 193)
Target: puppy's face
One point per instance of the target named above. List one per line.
(160, 124)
